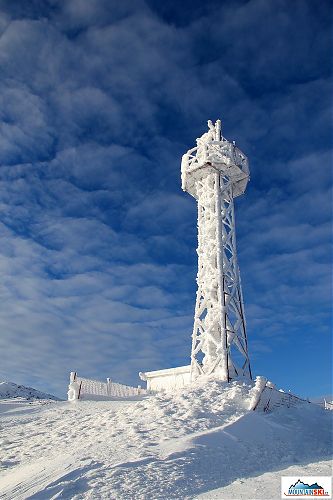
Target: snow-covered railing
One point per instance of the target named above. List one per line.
(87, 389)
(218, 151)
(215, 151)
(269, 398)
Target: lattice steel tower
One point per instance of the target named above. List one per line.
(214, 173)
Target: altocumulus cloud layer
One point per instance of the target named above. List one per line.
(99, 100)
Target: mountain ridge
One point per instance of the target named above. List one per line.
(9, 390)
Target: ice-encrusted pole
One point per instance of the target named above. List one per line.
(214, 173)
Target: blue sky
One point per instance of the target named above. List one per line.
(99, 100)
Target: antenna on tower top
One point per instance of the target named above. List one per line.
(215, 129)
(218, 130)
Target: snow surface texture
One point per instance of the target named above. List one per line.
(167, 446)
(11, 390)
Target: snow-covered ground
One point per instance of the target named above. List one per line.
(197, 443)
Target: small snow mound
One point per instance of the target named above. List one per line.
(12, 390)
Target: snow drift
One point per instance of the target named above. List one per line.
(174, 446)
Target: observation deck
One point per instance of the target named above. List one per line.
(214, 152)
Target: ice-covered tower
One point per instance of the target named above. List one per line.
(215, 172)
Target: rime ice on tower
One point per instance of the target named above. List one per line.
(214, 173)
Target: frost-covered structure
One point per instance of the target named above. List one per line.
(170, 378)
(214, 173)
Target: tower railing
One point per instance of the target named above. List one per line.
(217, 152)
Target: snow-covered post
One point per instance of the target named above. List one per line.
(108, 386)
(74, 388)
(257, 390)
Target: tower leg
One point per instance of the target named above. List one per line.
(219, 343)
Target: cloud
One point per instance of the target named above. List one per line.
(24, 133)
(99, 102)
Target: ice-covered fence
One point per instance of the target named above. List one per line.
(270, 398)
(87, 389)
